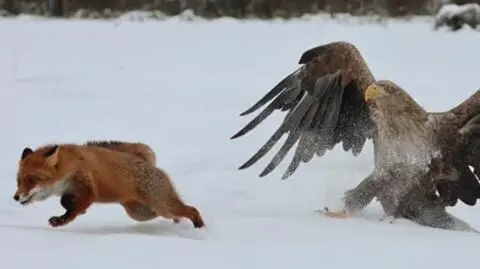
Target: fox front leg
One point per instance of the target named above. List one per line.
(68, 202)
(83, 199)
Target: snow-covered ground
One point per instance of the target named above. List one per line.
(180, 86)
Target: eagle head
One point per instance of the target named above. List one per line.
(388, 97)
(382, 92)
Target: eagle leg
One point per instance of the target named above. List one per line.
(341, 214)
(388, 218)
(356, 199)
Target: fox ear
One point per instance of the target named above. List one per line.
(26, 151)
(52, 155)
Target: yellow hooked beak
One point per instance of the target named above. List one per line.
(371, 93)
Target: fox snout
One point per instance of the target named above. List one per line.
(21, 197)
(40, 193)
(17, 195)
(35, 194)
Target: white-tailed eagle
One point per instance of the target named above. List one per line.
(334, 98)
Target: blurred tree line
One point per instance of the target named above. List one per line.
(232, 8)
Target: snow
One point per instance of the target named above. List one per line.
(447, 10)
(180, 86)
(465, 11)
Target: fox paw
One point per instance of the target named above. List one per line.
(57, 221)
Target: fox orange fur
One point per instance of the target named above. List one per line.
(140, 150)
(100, 172)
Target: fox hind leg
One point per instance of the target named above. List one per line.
(176, 210)
(139, 211)
(160, 195)
(192, 213)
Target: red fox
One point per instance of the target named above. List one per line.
(100, 172)
(140, 150)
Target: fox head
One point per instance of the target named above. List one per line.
(37, 176)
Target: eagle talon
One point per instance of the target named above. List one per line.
(341, 214)
(322, 211)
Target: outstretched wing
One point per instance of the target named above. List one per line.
(461, 129)
(325, 105)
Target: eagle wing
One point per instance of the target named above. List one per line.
(462, 141)
(324, 100)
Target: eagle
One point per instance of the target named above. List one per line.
(423, 161)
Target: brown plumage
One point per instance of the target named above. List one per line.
(333, 98)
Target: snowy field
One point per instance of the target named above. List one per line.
(180, 86)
